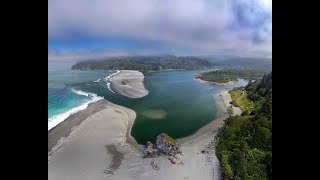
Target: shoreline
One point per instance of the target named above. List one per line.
(108, 82)
(97, 144)
(223, 99)
(104, 124)
(216, 83)
(165, 70)
(65, 128)
(207, 135)
(59, 118)
(131, 118)
(58, 134)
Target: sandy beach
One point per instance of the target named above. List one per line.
(90, 151)
(99, 146)
(128, 83)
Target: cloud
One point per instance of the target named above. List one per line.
(197, 27)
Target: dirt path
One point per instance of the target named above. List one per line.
(240, 96)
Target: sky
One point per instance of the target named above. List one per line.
(97, 28)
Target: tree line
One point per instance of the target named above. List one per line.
(227, 75)
(144, 63)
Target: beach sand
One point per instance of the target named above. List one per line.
(92, 150)
(128, 83)
(99, 146)
(65, 127)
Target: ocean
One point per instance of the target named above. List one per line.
(64, 95)
(177, 104)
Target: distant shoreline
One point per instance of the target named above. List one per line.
(216, 83)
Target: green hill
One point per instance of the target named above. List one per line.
(226, 75)
(245, 142)
(144, 63)
(241, 62)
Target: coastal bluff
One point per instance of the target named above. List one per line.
(128, 83)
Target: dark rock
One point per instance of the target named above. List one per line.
(150, 151)
(155, 165)
(149, 144)
(175, 160)
(167, 145)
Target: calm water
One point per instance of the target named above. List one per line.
(177, 104)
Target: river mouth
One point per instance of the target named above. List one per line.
(176, 104)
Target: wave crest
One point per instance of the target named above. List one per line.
(107, 79)
(57, 119)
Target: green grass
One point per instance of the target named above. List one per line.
(168, 138)
(137, 151)
(240, 97)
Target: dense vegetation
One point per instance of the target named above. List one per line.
(226, 75)
(144, 63)
(256, 63)
(245, 142)
(260, 88)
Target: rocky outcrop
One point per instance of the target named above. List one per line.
(150, 151)
(167, 145)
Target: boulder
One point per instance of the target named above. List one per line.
(149, 144)
(155, 165)
(167, 145)
(175, 160)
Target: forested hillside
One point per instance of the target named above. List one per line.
(245, 142)
(256, 63)
(144, 63)
(226, 75)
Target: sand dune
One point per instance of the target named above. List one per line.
(128, 83)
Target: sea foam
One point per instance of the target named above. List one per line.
(107, 79)
(108, 84)
(55, 120)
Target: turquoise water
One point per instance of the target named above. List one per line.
(176, 104)
(64, 98)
